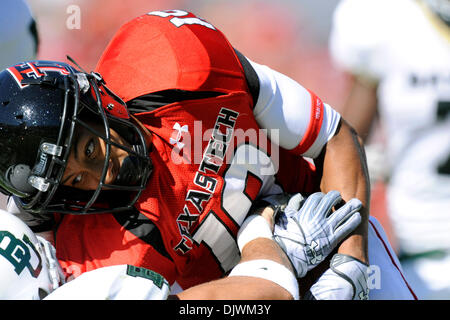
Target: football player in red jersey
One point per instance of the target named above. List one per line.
(172, 149)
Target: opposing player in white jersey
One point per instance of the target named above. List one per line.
(399, 55)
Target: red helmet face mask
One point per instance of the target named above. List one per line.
(42, 105)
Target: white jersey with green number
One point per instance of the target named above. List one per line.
(406, 49)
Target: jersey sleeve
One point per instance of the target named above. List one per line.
(303, 123)
(358, 33)
(121, 282)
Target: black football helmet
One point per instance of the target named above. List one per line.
(42, 103)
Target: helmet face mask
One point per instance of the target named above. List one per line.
(45, 103)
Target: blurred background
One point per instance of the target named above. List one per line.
(291, 36)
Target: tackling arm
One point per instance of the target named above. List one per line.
(310, 128)
(261, 249)
(344, 168)
(243, 287)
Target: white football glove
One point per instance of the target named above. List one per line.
(346, 279)
(310, 233)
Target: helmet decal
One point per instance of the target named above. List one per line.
(34, 70)
(17, 252)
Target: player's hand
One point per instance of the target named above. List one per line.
(269, 206)
(346, 279)
(309, 232)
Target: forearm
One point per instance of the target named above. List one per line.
(265, 248)
(244, 287)
(262, 250)
(345, 169)
(236, 288)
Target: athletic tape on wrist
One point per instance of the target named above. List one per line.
(253, 227)
(269, 270)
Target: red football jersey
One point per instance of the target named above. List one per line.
(85, 243)
(211, 160)
(208, 168)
